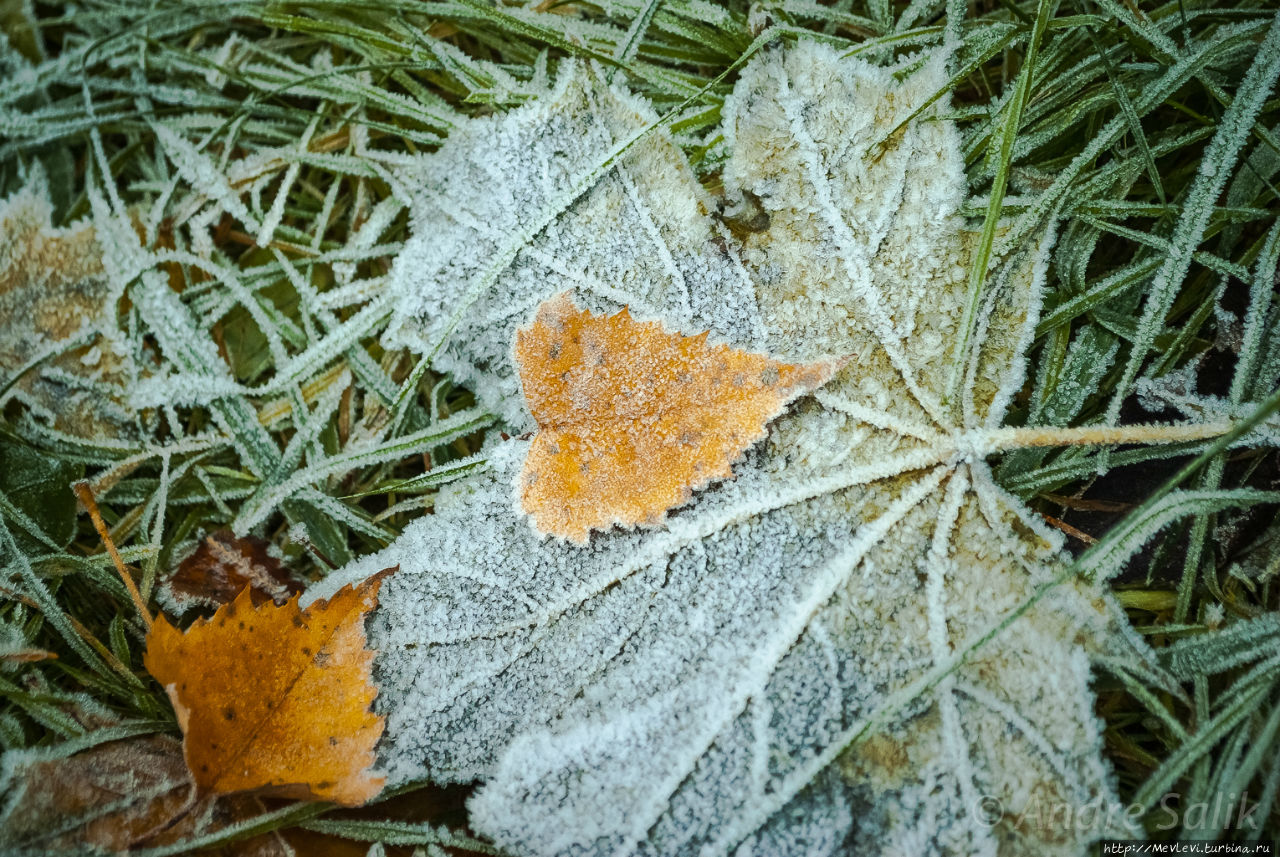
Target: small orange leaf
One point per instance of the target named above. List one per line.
(632, 419)
(276, 699)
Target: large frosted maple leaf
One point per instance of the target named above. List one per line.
(754, 676)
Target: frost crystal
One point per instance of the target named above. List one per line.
(752, 678)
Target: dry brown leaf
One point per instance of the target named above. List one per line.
(632, 419)
(54, 293)
(276, 699)
(221, 566)
(115, 796)
(136, 793)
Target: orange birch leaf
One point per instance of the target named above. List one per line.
(632, 419)
(276, 699)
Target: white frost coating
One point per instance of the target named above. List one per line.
(698, 689)
(1178, 390)
(479, 244)
(201, 172)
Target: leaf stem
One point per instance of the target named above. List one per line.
(1032, 436)
(85, 493)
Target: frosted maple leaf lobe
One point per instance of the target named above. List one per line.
(552, 221)
(632, 419)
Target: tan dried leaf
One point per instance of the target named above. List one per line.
(57, 319)
(115, 796)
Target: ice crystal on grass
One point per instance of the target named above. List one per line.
(777, 670)
(1177, 391)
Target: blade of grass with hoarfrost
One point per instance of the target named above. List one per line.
(1215, 171)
